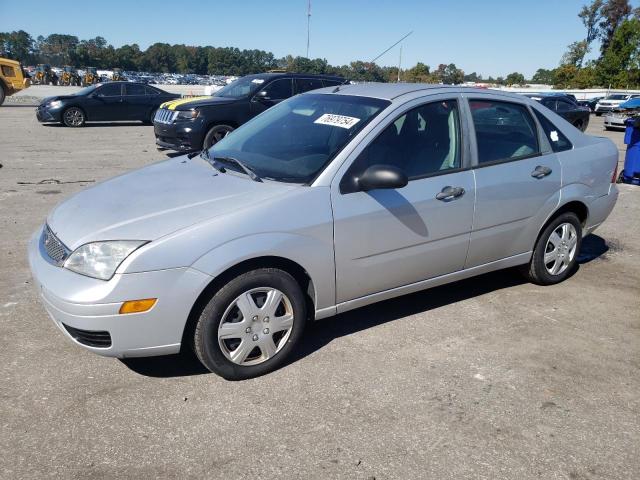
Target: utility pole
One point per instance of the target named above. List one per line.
(308, 25)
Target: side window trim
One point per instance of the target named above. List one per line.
(490, 98)
(463, 135)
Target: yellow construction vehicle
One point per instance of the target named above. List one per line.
(90, 76)
(44, 75)
(117, 76)
(69, 76)
(12, 78)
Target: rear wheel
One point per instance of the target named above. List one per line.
(555, 253)
(250, 326)
(2, 95)
(73, 117)
(216, 134)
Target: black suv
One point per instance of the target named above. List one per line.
(192, 124)
(566, 106)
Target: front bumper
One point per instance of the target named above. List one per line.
(614, 122)
(182, 137)
(45, 115)
(604, 108)
(91, 306)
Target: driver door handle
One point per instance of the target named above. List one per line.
(450, 193)
(541, 171)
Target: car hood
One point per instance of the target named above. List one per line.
(56, 97)
(194, 102)
(157, 200)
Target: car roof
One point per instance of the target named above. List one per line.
(392, 91)
(270, 75)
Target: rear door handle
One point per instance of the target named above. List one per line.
(449, 193)
(541, 171)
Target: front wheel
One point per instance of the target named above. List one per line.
(73, 117)
(251, 325)
(556, 251)
(216, 134)
(2, 95)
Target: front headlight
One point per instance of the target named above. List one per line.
(188, 114)
(101, 259)
(55, 104)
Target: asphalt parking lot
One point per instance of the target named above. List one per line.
(486, 378)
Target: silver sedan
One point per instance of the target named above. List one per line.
(329, 201)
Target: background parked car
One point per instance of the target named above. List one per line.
(590, 102)
(612, 101)
(188, 125)
(565, 106)
(111, 101)
(616, 118)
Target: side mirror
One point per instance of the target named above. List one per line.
(382, 176)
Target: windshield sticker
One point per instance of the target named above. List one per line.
(554, 136)
(333, 120)
(257, 80)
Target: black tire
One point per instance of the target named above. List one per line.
(598, 114)
(73, 117)
(215, 134)
(2, 95)
(205, 341)
(536, 270)
(607, 128)
(578, 125)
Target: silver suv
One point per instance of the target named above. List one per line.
(326, 202)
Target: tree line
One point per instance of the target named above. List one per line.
(613, 22)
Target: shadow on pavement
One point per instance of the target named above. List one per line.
(321, 333)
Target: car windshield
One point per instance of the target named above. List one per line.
(85, 90)
(293, 141)
(616, 97)
(240, 88)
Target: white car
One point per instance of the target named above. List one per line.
(612, 101)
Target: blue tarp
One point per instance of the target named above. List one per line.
(633, 103)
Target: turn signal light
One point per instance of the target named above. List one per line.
(137, 306)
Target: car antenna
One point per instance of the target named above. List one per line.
(336, 90)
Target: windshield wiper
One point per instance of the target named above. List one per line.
(250, 173)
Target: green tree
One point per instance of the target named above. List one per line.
(543, 76)
(515, 78)
(575, 54)
(17, 46)
(613, 12)
(621, 61)
(420, 73)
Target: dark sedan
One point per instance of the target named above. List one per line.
(114, 101)
(566, 107)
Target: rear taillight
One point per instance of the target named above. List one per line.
(614, 177)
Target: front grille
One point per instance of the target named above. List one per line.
(90, 338)
(54, 248)
(164, 115)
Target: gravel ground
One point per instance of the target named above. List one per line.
(488, 378)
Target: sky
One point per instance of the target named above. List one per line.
(490, 37)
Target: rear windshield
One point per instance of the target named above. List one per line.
(293, 141)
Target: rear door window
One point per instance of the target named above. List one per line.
(559, 143)
(306, 84)
(279, 89)
(151, 91)
(564, 106)
(505, 131)
(134, 89)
